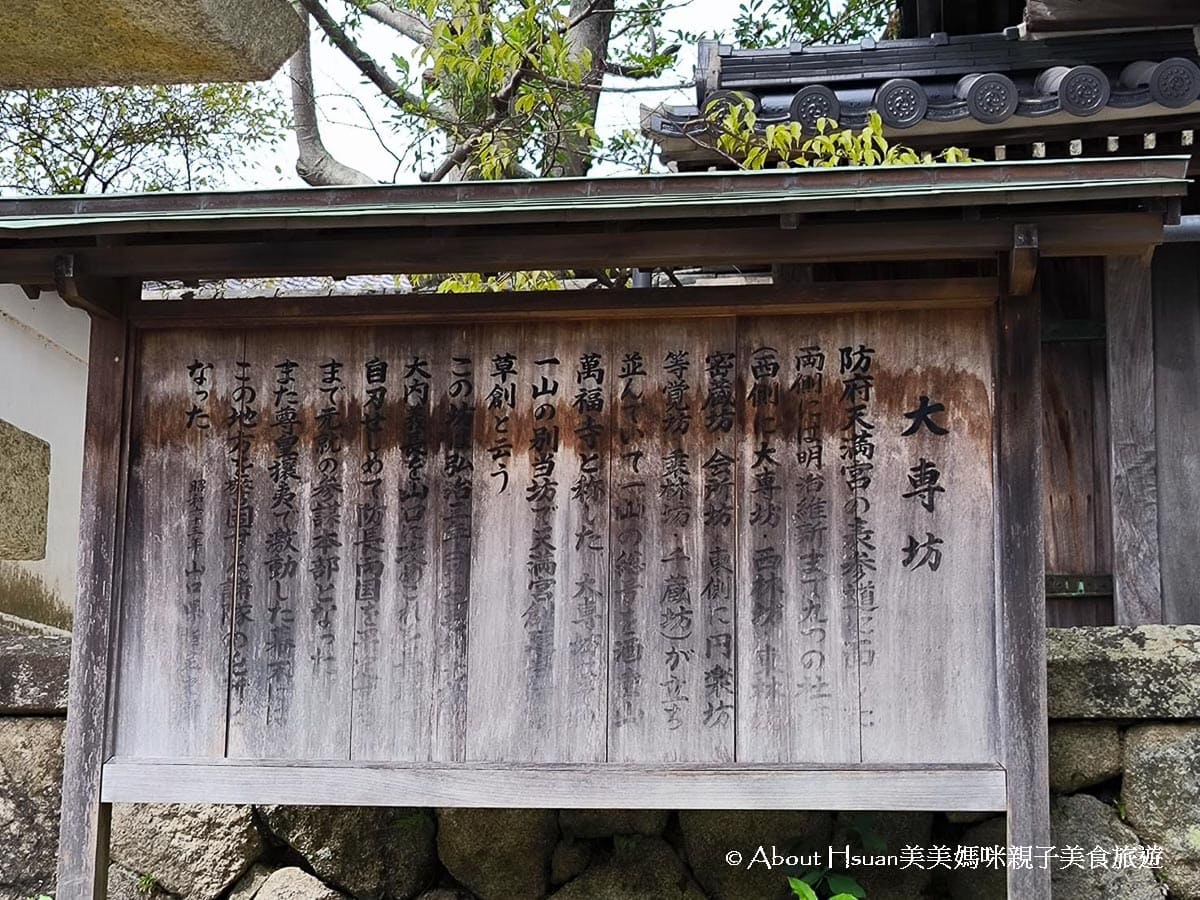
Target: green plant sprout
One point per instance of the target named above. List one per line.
(837, 885)
(731, 130)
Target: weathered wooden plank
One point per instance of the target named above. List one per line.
(292, 632)
(413, 552)
(1072, 15)
(556, 306)
(249, 657)
(324, 619)
(797, 639)
(452, 545)
(1020, 586)
(1177, 404)
(385, 722)
(83, 832)
(672, 687)
(1077, 530)
(607, 786)
(927, 691)
(1134, 472)
(181, 524)
(586, 418)
(1078, 612)
(1078, 523)
(536, 645)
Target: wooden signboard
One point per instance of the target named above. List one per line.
(694, 559)
(703, 541)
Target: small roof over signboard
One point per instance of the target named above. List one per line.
(84, 43)
(638, 198)
(740, 219)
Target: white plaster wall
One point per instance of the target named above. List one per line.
(43, 382)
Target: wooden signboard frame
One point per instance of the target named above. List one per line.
(1018, 786)
(96, 775)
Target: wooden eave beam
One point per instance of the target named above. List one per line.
(513, 248)
(1023, 260)
(1071, 15)
(103, 298)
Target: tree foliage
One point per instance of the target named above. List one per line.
(778, 23)
(96, 140)
(496, 88)
(500, 88)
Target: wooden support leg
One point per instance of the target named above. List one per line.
(1134, 456)
(1020, 587)
(83, 830)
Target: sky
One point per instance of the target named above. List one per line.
(350, 139)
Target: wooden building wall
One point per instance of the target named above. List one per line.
(1080, 555)
(1075, 436)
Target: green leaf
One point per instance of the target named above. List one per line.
(802, 890)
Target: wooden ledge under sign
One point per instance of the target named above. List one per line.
(973, 788)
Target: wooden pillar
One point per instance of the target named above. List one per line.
(1133, 455)
(83, 832)
(1020, 586)
(1177, 400)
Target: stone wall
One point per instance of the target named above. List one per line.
(24, 493)
(1125, 772)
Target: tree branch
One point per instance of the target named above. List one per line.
(589, 32)
(314, 163)
(406, 23)
(366, 64)
(624, 71)
(460, 154)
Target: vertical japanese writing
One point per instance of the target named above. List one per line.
(412, 552)
(542, 497)
(242, 422)
(369, 525)
(200, 376)
(857, 452)
(717, 574)
(765, 516)
(283, 552)
(811, 527)
(195, 560)
(589, 495)
(458, 473)
(629, 538)
(501, 401)
(325, 516)
(676, 609)
(924, 480)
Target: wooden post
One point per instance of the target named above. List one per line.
(1134, 456)
(1020, 577)
(83, 834)
(1177, 390)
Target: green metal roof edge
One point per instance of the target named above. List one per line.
(798, 190)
